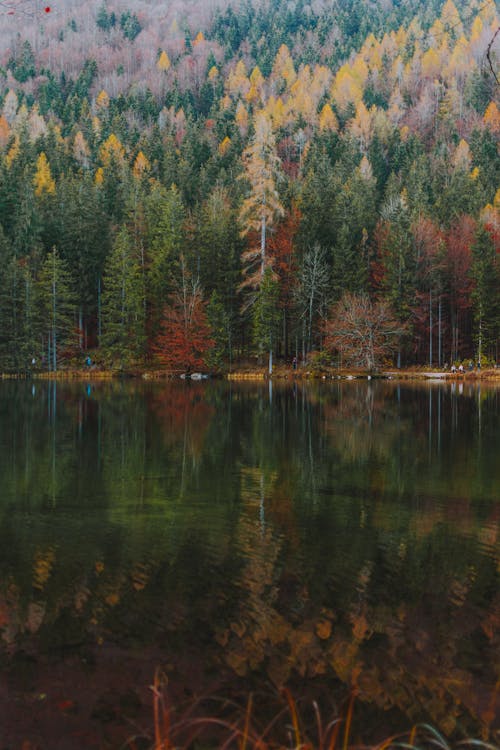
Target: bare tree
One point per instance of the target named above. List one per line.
(312, 290)
(364, 332)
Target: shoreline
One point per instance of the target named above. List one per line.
(280, 373)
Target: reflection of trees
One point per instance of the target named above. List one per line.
(298, 534)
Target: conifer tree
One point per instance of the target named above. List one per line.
(123, 324)
(485, 295)
(56, 308)
(266, 316)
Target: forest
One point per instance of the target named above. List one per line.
(189, 186)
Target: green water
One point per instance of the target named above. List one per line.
(242, 537)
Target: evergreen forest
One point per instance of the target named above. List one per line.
(191, 185)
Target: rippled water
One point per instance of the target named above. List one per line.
(331, 537)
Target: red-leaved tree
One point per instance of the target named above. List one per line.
(185, 335)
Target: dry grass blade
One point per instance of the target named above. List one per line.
(348, 721)
(247, 722)
(294, 715)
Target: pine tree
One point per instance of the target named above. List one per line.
(266, 316)
(123, 324)
(57, 310)
(485, 296)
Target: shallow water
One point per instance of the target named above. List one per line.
(328, 537)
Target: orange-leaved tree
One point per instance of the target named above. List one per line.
(364, 332)
(185, 337)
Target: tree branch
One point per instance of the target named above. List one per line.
(488, 55)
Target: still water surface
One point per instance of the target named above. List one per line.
(328, 537)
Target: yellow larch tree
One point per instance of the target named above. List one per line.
(451, 19)
(237, 81)
(163, 63)
(436, 33)
(256, 85)
(141, 166)
(327, 119)
(462, 158)
(490, 214)
(43, 180)
(476, 30)
(99, 176)
(345, 89)
(491, 118)
(102, 100)
(241, 117)
(321, 81)
(262, 206)
(4, 132)
(198, 39)
(400, 38)
(460, 62)
(111, 150)
(431, 64)
(361, 127)
(283, 69)
(12, 152)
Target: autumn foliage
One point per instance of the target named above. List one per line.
(185, 337)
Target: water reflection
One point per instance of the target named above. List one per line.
(328, 536)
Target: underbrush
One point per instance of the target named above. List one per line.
(221, 724)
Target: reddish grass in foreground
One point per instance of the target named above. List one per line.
(227, 725)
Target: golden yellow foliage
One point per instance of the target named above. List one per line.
(450, 18)
(476, 29)
(12, 152)
(141, 165)
(99, 176)
(283, 66)
(224, 146)
(213, 73)
(491, 118)
(102, 100)
(361, 126)
(431, 64)
(198, 38)
(42, 180)
(237, 81)
(327, 119)
(111, 150)
(462, 157)
(42, 567)
(460, 62)
(345, 89)
(241, 118)
(163, 62)
(4, 132)
(365, 169)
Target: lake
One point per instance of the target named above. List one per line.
(338, 538)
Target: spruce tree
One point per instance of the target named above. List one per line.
(56, 308)
(123, 324)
